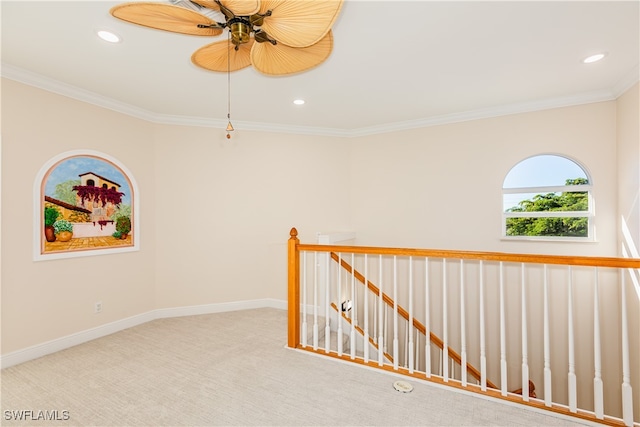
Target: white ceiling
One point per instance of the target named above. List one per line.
(394, 65)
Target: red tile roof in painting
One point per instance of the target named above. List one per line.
(101, 177)
(66, 205)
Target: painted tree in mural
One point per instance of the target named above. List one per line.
(65, 192)
(122, 210)
(552, 202)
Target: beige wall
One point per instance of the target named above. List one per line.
(441, 187)
(202, 214)
(446, 181)
(224, 214)
(45, 300)
(629, 160)
(216, 214)
(628, 127)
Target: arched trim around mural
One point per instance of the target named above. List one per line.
(85, 203)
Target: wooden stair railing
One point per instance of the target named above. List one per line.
(532, 386)
(417, 324)
(361, 332)
(621, 264)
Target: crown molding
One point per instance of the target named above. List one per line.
(486, 113)
(51, 85)
(248, 126)
(627, 81)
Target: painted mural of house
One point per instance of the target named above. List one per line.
(99, 211)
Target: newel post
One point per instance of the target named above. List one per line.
(294, 290)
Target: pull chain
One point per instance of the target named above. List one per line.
(229, 125)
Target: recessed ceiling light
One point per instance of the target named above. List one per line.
(298, 101)
(108, 36)
(594, 58)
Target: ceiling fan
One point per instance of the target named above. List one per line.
(277, 37)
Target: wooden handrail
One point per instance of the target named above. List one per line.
(403, 312)
(485, 256)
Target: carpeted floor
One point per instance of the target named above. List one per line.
(228, 369)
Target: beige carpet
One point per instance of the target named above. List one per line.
(228, 369)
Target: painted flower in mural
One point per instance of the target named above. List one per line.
(98, 194)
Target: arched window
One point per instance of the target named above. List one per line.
(547, 197)
(105, 186)
(91, 183)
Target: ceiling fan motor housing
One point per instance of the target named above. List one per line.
(240, 28)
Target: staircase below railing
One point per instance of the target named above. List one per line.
(402, 312)
(514, 316)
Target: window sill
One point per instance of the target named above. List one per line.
(548, 239)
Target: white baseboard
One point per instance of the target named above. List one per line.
(49, 347)
(220, 307)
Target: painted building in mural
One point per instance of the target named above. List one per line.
(101, 210)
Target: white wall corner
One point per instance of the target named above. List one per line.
(329, 238)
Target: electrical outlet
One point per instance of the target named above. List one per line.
(98, 307)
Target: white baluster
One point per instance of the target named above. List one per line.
(445, 345)
(304, 299)
(327, 303)
(406, 345)
(427, 324)
(380, 316)
(483, 348)
(386, 328)
(339, 304)
(352, 342)
(417, 346)
(463, 331)
(627, 391)
(503, 337)
(410, 325)
(354, 294)
(598, 386)
(547, 345)
(315, 300)
(452, 367)
(573, 398)
(396, 351)
(525, 355)
(375, 322)
(366, 310)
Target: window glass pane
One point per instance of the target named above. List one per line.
(510, 202)
(542, 171)
(565, 201)
(559, 227)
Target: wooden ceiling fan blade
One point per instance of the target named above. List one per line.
(280, 59)
(165, 17)
(299, 23)
(238, 7)
(213, 57)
